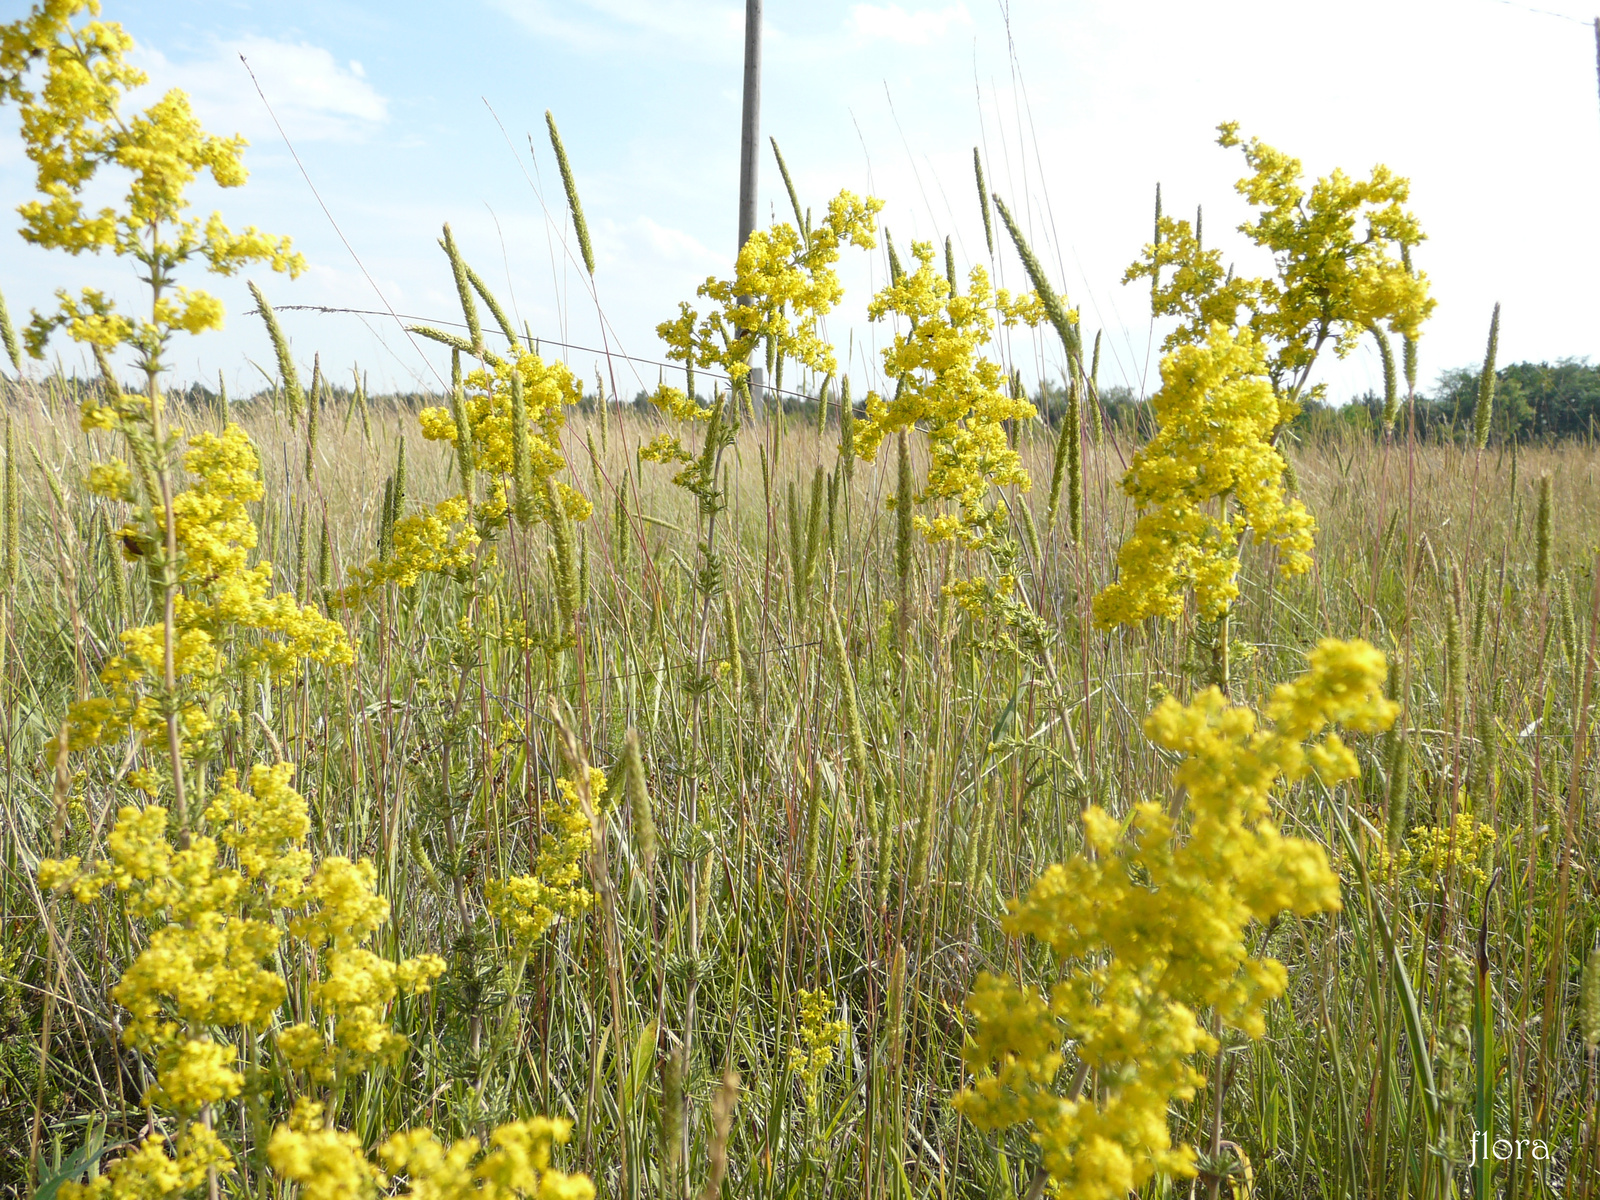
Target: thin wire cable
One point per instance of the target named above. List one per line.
(306, 175)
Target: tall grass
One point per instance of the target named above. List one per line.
(847, 807)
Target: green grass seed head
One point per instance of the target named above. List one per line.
(1569, 621)
(119, 576)
(566, 566)
(1052, 304)
(494, 306)
(1486, 759)
(640, 811)
(400, 479)
(671, 1121)
(579, 225)
(469, 308)
(280, 347)
(361, 407)
(788, 183)
(325, 557)
(1541, 542)
(847, 428)
(1483, 411)
(465, 464)
(1396, 816)
(983, 201)
(386, 521)
(302, 579)
(950, 267)
(8, 335)
(1391, 388)
(313, 408)
(1589, 1002)
(1480, 613)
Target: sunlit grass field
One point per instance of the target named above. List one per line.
(767, 872)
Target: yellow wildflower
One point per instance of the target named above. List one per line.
(1157, 915)
(818, 1044)
(1217, 415)
(529, 904)
(328, 1164)
(783, 285)
(944, 383)
(1336, 276)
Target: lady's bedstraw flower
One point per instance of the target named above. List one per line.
(943, 383)
(225, 613)
(783, 285)
(818, 1043)
(527, 905)
(1151, 923)
(518, 1163)
(446, 539)
(353, 988)
(149, 1172)
(1209, 476)
(1339, 252)
(69, 83)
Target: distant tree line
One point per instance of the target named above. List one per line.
(1533, 402)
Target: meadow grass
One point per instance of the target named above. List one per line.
(848, 810)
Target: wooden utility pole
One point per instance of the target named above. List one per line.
(750, 154)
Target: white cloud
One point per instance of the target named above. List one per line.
(608, 25)
(674, 245)
(916, 28)
(313, 96)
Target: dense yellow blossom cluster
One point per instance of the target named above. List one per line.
(329, 1164)
(1150, 921)
(445, 539)
(944, 383)
(1437, 851)
(1209, 476)
(527, 905)
(487, 404)
(1338, 251)
(225, 613)
(818, 1043)
(68, 81)
(211, 962)
(787, 284)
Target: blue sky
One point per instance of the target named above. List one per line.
(1490, 107)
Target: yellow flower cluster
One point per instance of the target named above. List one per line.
(944, 383)
(1436, 851)
(148, 1172)
(1335, 278)
(1153, 918)
(527, 905)
(786, 282)
(445, 539)
(209, 965)
(1209, 476)
(546, 387)
(353, 987)
(441, 542)
(225, 604)
(818, 1044)
(68, 82)
(328, 1164)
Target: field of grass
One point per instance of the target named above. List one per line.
(775, 860)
